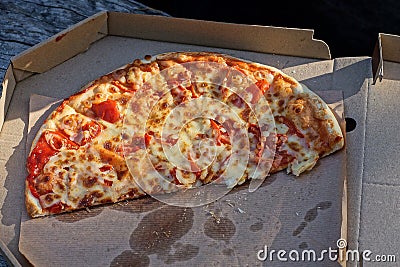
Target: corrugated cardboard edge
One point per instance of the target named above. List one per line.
(387, 48)
(11, 260)
(271, 40)
(8, 85)
(61, 47)
(344, 230)
(342, 260)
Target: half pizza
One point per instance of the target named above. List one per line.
(175, 122)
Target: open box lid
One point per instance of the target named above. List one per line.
(78, 38)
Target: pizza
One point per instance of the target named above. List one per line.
(173, 122)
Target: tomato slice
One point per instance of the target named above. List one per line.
(48, 145)
(107, 110)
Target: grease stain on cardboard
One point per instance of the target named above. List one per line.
(157, 233)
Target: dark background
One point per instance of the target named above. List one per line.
(350, 28)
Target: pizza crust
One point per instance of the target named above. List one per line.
(32, 204)
(334, 128)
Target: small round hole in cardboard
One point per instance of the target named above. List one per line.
(350, 124)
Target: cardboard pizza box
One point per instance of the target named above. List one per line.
(309, 213)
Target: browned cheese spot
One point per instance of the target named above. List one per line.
(89, 181)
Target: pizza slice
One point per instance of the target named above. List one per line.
(174, 122)
(306, 128)
(72, 166)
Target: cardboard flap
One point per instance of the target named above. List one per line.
(390, 47)
(265, 39)
(8, 86)
(387, 48)
(62, 46)
(21, 74)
